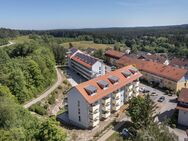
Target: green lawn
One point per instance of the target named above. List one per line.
(87, 44)
(21, 39)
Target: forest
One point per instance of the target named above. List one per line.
(163, 39)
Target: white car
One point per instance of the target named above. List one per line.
(141, 89)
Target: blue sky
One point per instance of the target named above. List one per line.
(54, 14)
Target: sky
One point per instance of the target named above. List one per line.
(69, 14)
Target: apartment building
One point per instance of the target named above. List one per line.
(98, 98)
(165, 75)
(113, 55)
(84, 64)
(183, 107)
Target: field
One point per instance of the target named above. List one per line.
(87, 44)
(21, 39)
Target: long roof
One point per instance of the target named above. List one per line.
(183, 96)
(114, 54)
(100, 93)
(82, 58)
(158, 69)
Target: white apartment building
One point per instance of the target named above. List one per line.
(84, 64)
(96, 99)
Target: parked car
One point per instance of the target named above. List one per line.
(161, 99)
(146, 91)
(125, 132)
(154, 94)
(141, 89)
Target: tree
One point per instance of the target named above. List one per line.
(50, 132)
(155, 132)
(117, 46)
(98, 54)
(141, 110)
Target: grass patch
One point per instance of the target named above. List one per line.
(87, 44)
(21, 39)
(115, 137)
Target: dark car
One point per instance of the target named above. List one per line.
(146, 91)
(161, 99)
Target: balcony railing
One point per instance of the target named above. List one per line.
(94, 122)
(106, 114)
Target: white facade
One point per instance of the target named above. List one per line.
(183, 117)
(86, 115)
(97, 68)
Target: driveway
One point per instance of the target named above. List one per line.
(74, 78)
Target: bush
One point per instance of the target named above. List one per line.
(51, 99)
(65, 82)
(173, 125)
(37, 108)
(60, 87)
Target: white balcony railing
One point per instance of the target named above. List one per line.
(94, 122)
(105, 114)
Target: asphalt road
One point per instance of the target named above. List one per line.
(48, 91)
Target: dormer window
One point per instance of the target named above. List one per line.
(133, 70)
(127, 74)
(91, 90)
(113, 79)
(103, 84)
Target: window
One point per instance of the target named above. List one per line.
(79, 118)
(78, 103)
(99, 68)
(79, 111)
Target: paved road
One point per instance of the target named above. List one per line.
(9, 44)
(48, 91)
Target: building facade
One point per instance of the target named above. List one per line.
(84, 64)
(98, 98)
(112, 56)
(164, 75)
(183, 107)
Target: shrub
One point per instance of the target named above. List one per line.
(65, 82)
(60, 87)
(37, 108)
(51, 99)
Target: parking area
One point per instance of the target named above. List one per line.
(73, 77)
(165, 108)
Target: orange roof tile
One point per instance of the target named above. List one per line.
(183, 96)
(161, 70)
(114, 54)
(101, 92)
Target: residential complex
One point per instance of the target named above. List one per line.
(96, 99)
(183, 107)
(84, 64)
(164, 75)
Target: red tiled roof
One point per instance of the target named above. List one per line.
(154, 58)
(158, 69)
(81, 62)
(102, 93)
(182, 108)
(180, 62)
(183, 96)
(114, 54)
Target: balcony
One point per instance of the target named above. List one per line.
(106, 107)
(106, 100)
(116, 106)
(94, 122)
(105, 114)
(136, 89)
(94, 107)
(136, 83)
(129, 87)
